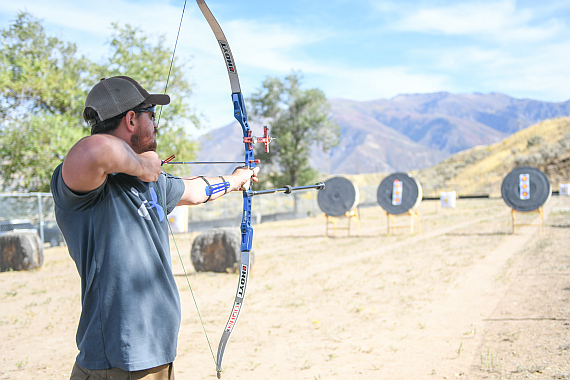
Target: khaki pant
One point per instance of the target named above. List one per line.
(163, 372)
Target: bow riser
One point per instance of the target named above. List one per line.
(241, 116)
(246, 228)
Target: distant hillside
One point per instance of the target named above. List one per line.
(405, 133)
(410, 132)
(481, 170)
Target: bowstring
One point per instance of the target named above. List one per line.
(172, 60)
(164, 205)
(161, 201)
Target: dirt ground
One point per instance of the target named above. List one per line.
(465, 299)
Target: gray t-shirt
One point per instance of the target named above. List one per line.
(118, 237)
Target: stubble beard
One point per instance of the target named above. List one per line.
(138, 145)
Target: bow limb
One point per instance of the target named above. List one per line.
(246, 228)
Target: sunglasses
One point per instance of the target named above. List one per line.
(150, 109)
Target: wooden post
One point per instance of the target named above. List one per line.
(350, 215)
(514, 219)
(413, 215)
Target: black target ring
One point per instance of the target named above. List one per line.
(338, 197)
(411, 195)
(540, 189)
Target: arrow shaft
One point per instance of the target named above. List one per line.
(203, 162)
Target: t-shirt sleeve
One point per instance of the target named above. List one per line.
(67, 199)
(174, 191)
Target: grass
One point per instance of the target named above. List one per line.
(21, 364)
(491, 361)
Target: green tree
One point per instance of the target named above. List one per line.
(39, 73)
(35, 148)
(298, 119)
(44, 83)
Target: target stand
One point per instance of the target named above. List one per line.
(526, 190)
(514, 219)
(338, 200)
(350, 215)
(391, 223)
(400, 194)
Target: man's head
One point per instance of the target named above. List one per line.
(110, 100)
(121, 99)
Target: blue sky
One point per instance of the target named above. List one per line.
(360, 50)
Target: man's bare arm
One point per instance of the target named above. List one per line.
(88, 163)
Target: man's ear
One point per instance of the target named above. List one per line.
(130, 118)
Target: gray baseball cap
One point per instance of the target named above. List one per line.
(113, 96)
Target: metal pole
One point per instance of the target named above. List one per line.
(41, 212)
(287, 189)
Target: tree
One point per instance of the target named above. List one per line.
(44, 83)
(298, 119)
(39, 73)
(35, 148)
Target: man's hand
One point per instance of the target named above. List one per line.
(243, 177)
(150, 165)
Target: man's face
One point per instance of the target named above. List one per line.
(144, 139)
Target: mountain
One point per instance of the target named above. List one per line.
(482, 169)
(405, 133)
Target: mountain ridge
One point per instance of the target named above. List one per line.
(407, 132)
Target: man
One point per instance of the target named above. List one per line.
(111, 201)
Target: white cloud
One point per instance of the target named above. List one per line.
(271, 47)
(88, 16)
(376, 83)
(497, 20)
(259, 50)
(544, 74)
(539, 72)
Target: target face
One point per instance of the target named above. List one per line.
(448, 198)
(398, 193)
(338, 197)
(524, 186)
(526, 189)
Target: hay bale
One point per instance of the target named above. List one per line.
(217, 251)
(20, 251)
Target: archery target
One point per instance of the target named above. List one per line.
(448, 199)
(338, 197)
(526, 189)
(178, 219)
(564, 189)
(398, 193)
